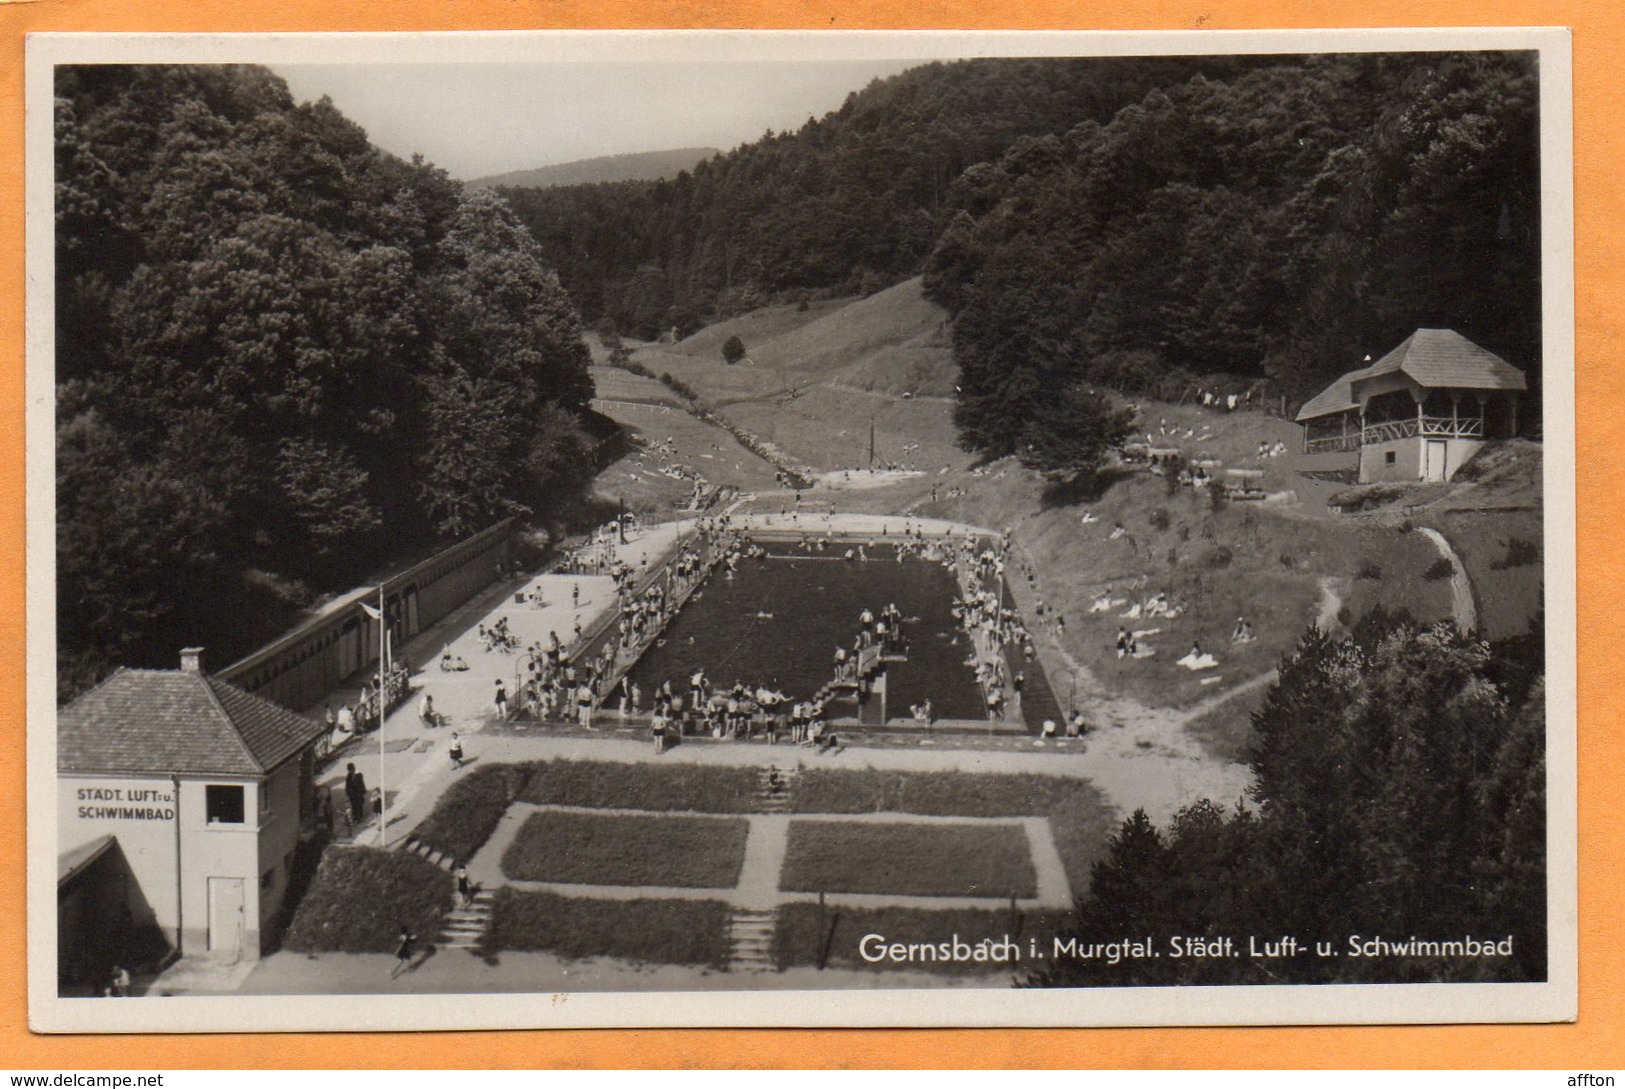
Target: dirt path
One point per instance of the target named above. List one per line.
(1462, 605)
(1331, 603)
(1253, 684)
(1143, 758)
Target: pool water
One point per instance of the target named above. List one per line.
(779, 619)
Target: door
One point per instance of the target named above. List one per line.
(226, 915)
(349, 648)
(411, 611)
(1433, 467)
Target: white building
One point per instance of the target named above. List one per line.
(1419, 413)
(180, 801)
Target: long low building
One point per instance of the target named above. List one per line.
(1419, 413)
(181, 800)
(300, 668)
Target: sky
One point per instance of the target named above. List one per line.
(475, 119)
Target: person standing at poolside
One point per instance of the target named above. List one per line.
(355, 792)
(584, 705)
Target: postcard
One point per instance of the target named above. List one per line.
(772, 528)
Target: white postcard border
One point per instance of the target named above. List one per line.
(1554, 1000)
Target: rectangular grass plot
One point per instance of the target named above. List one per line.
(905, 859)
(621, 849)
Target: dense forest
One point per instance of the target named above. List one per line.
(1398, 792)
(849, 203)
(1278, 225)
(282, 358)
(1136, 223)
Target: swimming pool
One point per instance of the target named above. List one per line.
(777, 621)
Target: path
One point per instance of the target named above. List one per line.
(1331, 603)
(1462, 606)
(1252, 684)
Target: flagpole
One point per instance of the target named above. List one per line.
(383, 703)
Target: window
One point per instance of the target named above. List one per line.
(224, 804)
(1388, 458)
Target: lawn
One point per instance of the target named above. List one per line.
(1079, 817)
(1398, 569)
(802, 930)
(619, 384)
(1503, 553)
(616, 849)
(468, 812)
(645, 931)
(908, 859)
(698, 446)
(667, 789)
(362, 896)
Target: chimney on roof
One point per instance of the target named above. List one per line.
(192, 660)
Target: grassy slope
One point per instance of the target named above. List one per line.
(700, 447)
(816, 378)
(361, 897)
(618, 384)
(468, 812)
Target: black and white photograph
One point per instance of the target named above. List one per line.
(735, 528)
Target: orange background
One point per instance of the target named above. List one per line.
(1597, 1041)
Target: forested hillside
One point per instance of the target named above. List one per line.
(850, 202)
(283, 356)
(1278, 224)
(1134, 223)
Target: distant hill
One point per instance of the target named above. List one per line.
(641, 166)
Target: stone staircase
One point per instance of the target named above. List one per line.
(750, 941)
(423, 850)
(465, 926)
(771, 797)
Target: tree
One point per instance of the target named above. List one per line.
(1397, 792)
(733, 350)
(1069, 433)
(1277, 219)
(285, 357)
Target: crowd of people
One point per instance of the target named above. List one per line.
(738, 712)
(996, 630)
(363, 715)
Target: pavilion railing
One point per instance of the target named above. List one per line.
(1332, 445)
(1445, 427)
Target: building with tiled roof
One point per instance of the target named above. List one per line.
(1419, 413)
(181, 801)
